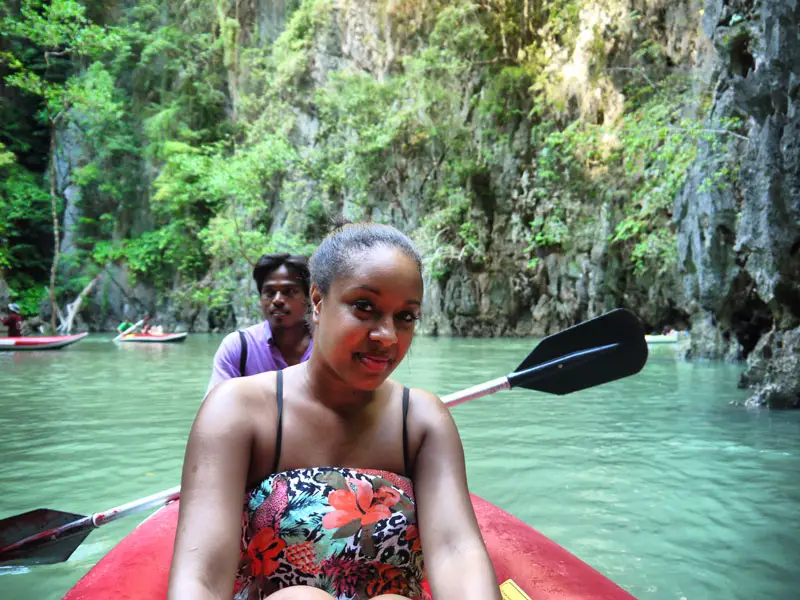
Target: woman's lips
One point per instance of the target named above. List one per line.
(374, 363)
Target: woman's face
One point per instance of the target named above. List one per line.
(365, 324)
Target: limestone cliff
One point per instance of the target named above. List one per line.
(554, 160)
(740, 246)
(738, 239)
(492, 285)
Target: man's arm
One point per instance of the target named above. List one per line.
(226, 361)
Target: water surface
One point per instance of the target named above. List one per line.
(656, 480)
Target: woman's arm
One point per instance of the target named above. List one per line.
(213, 485)
(456, 560)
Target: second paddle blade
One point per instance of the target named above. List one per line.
(619, 327)
(51, 549)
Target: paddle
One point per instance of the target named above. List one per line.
(127, 331)
(603, 349)
(45, 536)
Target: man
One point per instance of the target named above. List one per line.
(13, 321)
(284, 338)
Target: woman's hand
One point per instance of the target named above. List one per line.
(456, 560)
(213, 484)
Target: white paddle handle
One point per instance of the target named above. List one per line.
(153, 501)
(476, 391)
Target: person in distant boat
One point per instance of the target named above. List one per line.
(124, 326)
(13, 321)
(147, 325)
(284, 338)
(328, 480)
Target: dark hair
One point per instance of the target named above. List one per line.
(270, 263)
(332, 257)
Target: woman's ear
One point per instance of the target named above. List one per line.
(316, 303)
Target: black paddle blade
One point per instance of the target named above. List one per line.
(603, 349)
(42, 536)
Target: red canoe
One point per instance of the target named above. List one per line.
(39, 343)
(154, 338)
(138, 567)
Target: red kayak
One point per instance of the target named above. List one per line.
(525, 562)
(154, 338)
(53, 342)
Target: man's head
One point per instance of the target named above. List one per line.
(14, 308)
(282, 283)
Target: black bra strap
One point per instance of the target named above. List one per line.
(405, 432)
(279, 434)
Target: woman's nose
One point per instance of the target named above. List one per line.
(384, 332)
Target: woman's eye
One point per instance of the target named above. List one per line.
(408, 317)
(363, 305)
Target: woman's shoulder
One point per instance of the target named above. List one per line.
(425, 406)
(237, 400)
(421, 396)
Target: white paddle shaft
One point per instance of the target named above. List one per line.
(476, 391)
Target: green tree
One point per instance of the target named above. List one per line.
(59, 29)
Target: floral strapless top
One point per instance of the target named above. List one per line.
(350, 532)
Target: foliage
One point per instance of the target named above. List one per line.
(24, 225)
(60, 28)
(29, 299)
(641, 160)
(6, 158)
(382, 143)
(200, 147)
(656, 148)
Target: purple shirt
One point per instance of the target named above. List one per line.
(262, 355)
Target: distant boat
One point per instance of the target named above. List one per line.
(154, 338)
(670, 338)
(53, 342)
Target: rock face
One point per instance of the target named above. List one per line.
(5, 297)
(737, 216)
(69, 159)
(271, 18)
(739, 244)
(773, 370)
(504, 295)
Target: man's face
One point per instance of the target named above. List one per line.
(283, 298)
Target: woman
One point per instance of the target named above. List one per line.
(347, 474)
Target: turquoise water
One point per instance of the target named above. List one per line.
(656, 480)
